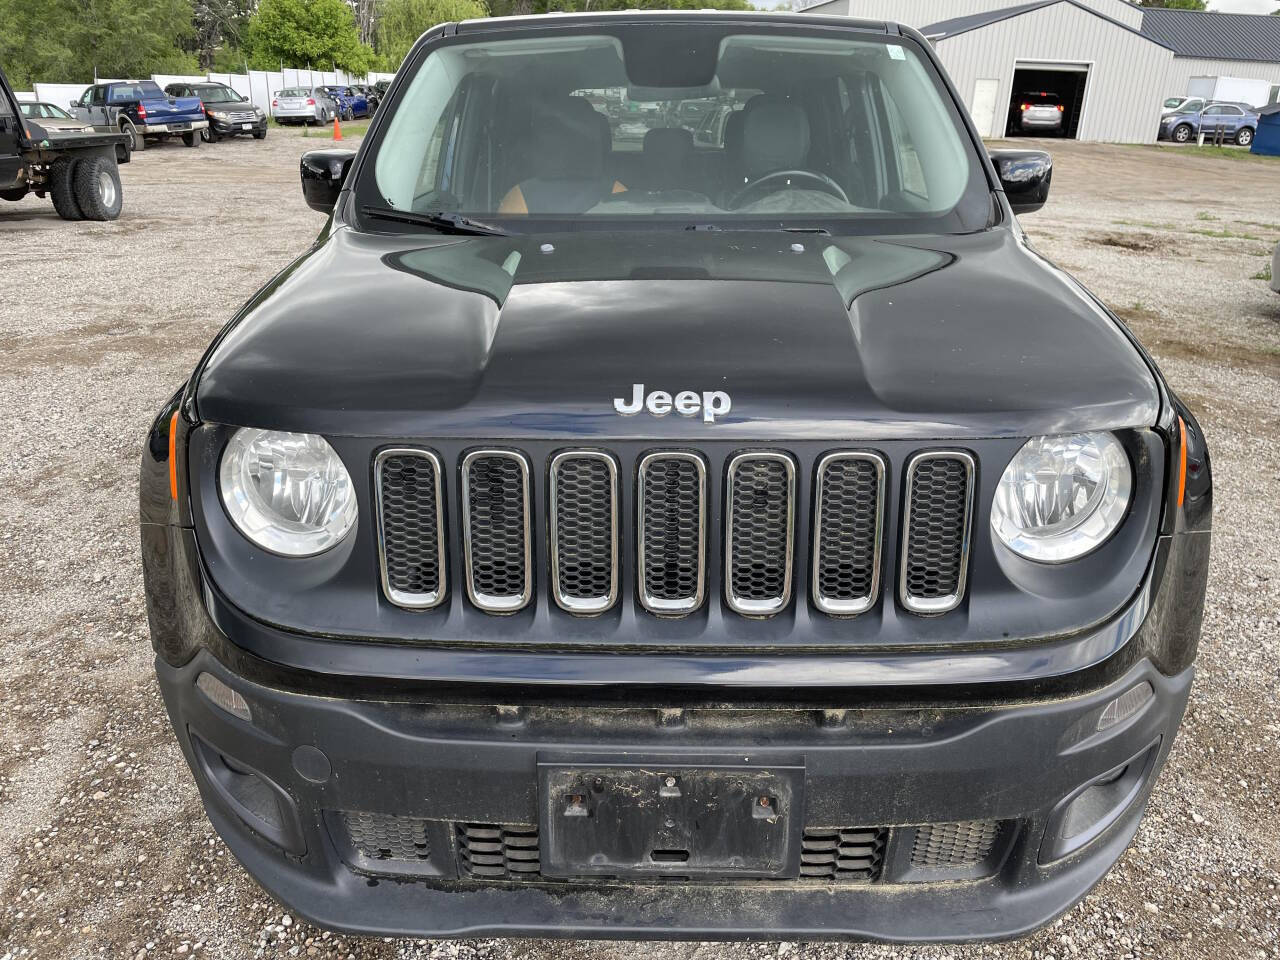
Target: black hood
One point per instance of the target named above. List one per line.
(810, 336)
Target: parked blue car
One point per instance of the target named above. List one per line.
(1237, 121)
(352, 103)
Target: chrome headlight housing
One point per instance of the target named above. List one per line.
(289, 493)
(1062, 497)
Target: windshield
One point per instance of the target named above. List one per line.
(143, 90)
(1173, 102)
(217, 94)
(794, 125)
(47, 111)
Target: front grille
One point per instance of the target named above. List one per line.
(758, 532)
(497, 536)
(848, 522)
(380, 837)
(243, 117)
(491, 851)
(964, 844)
(584, 531)
(411, 518)
(672, 539)
(935, 540)
(848, 854)
(579, 533)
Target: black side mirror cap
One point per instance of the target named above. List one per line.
(1024, 176)
(323, 174)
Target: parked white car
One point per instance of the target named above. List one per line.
(306, 105)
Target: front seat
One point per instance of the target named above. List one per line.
(775, 136)
(566, 153)
(666, 158)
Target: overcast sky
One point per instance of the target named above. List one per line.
(1242, 6)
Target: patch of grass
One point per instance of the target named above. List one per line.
(1263, 274)
(1144, 223)
(1226, 234)
(1205, 215)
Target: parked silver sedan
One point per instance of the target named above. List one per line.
(52, 117)
(305, 105)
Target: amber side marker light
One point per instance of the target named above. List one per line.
(173, 458)
(1182, 460)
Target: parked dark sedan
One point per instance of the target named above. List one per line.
(746, 539)
(230, 113)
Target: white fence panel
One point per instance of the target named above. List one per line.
(263, 85)
(296, 78)
(239, 82)
(60, 94)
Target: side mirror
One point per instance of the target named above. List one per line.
(323, 174)
(1024, 176)
(73, 104)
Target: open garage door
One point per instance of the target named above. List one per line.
(1041, 90)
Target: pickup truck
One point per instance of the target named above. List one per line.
(143, 111)
(76, 168)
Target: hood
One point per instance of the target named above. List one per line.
(53, 124)
(809, 336)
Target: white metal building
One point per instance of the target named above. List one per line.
(1110, 62)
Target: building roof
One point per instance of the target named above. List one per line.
(1214, 36)
(975, 21)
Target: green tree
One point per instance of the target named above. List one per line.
(68, 40)
(401, 22)
(1175, 4)
(219, 33)
(300, 33)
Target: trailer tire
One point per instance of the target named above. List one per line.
(191, 139)
(62, 188)
(16, 194)
(97, 185)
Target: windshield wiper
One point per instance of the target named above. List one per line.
(716, 228)
(444, 222)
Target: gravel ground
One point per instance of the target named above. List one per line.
(104, 850)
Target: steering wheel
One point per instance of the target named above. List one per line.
(820, 180)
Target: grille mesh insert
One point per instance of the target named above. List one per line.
(846, 566)
(671, 510)
(963, 844)
(584, 528)
(933, 565)
(381, 837)
(848, 854)
(497, 530)
(759, 552)
(492, 851)
(408, 488)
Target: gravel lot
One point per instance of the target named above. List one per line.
(104, 849)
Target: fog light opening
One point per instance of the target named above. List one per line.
(223, 697)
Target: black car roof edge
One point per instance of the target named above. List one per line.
(704, 16)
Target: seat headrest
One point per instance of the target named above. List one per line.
(570, 139)
(775, 136)
(667, 148)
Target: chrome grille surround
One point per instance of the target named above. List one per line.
(759, 534)
(846, 606)
(680, 605)
(496, 602)
(913, 525)
(582, 605)
(413, 600)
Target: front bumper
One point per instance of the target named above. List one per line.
(435, 767)
(229, 128)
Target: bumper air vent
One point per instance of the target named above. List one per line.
(490, 851)
(843, 854)
(947, 845)
(380, 837)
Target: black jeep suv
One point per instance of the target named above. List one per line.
(600, 531)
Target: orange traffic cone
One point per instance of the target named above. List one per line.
(337, 130)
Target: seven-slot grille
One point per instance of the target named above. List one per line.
(760, 508)
(853, 854)
(935, 536)
(761, 501)
(584, 530)
(672, 509)
(497, 532)
(847, 526)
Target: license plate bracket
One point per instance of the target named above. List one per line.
(670, 819)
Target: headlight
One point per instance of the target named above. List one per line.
(220, 114)
(1061, 497)
(287, 492)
